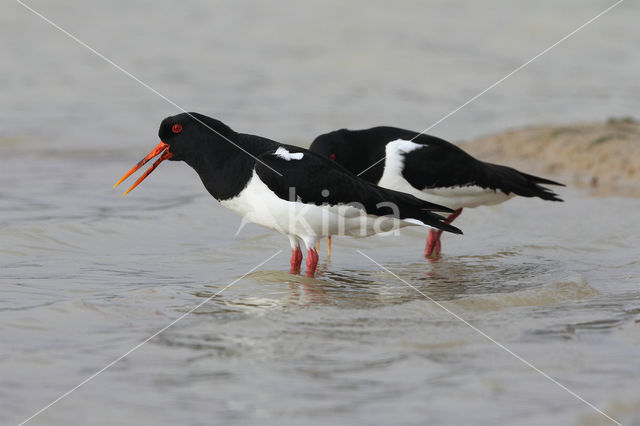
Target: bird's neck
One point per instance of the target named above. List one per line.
(226, 166)
(370, 144)
(369, 163)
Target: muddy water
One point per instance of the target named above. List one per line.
(85, 274)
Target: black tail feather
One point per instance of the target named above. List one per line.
(411, 207)
(539, 180)
(415, 208)
(510, 180)
(441, 224)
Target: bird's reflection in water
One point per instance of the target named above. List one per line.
(447, 279)
(311, 294)
(368, 288)
(307, 291)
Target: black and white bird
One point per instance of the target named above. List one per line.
(285, 188)
(428, 168)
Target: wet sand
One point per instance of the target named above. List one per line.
(604, 157)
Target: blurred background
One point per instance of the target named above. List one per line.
(293, 70)
(86, 274)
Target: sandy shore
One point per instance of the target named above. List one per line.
(604, 157)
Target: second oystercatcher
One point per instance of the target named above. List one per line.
(429, 168)
(286, 188)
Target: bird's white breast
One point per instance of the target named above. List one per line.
(259, 204)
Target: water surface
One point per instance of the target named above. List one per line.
(87, 274)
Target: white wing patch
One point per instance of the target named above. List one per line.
(402, 145)
(286, 155)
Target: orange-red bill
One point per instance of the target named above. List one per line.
(157, 150)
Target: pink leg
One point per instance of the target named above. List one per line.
(312, 261)
(296, 260)
(432, 250)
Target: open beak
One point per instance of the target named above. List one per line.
(161, 148)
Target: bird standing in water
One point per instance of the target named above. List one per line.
(286, 188)
(428, 168)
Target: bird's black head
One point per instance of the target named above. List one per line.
(358, 151)
(335, 146)
(189, 133)
(184, 137)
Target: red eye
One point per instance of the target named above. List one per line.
(332, 157)
(176, 128)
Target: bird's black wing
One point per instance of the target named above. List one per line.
(313, 179)
(439, 163)
(442, 164)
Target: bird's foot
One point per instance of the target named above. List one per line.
(432, 250)
(296, 260)
(312, 262)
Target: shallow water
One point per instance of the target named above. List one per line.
(86, 274)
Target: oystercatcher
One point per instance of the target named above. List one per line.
(429, 168)
(286, 188)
